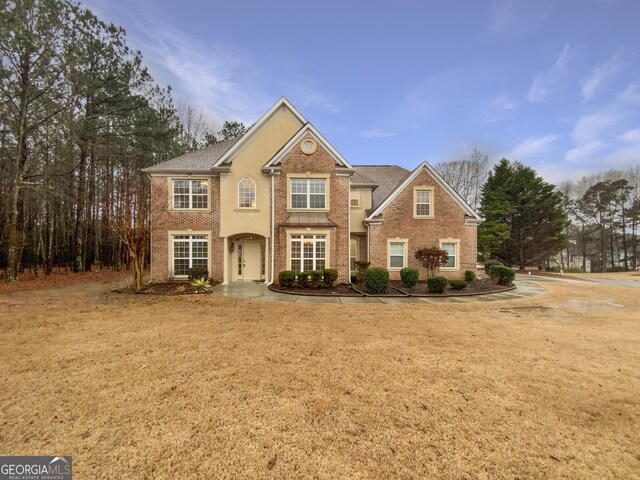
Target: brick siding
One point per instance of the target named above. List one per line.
(448, 222)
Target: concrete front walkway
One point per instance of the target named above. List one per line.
(260, 292)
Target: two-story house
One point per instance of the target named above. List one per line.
(281, 197)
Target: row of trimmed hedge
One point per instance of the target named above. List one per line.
(376, 280)
(313, 279)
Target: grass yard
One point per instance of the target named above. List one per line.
(206, 387)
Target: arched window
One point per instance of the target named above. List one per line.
(247, 193)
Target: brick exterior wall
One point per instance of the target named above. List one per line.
(448, 222)
(163, 219)
(318, 162)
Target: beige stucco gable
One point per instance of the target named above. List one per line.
(247, 161)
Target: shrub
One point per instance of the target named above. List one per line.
(361, 267)
(287, 278)
(432, 259)
(303, 279)
(409, 277)
(201, 285)
(376, 280)
(458, 284)
(436, 284)
(469, 275)
(198, 272)
(316, 276)
(489, 264)
(330, 275)
(503, 275)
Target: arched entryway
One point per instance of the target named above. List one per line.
(248, 262)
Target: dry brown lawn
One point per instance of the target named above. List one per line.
(205, 387)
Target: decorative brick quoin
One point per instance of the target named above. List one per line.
(281, 197)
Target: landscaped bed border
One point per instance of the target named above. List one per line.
(403, 294)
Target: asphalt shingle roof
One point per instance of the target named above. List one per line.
(197, 161)
(387, 177)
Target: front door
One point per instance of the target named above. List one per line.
(251, 261)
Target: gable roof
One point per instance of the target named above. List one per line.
(424, 166)
(228, 156)
(386, 177)
(307, 129)
(198, 161)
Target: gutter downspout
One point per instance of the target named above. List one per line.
(349, 235)
(273, 223)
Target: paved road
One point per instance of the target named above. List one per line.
(622, 282)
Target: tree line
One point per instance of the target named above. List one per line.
(589, 225)
(80, 116)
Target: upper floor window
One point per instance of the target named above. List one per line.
(247, 193)
(354, 197)
(190, 194)
(423, 202)
(309, 193)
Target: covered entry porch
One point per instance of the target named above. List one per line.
(246, 258)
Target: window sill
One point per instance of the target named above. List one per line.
(395, 269)
(326, 210)
(423, 217)
(246, 210)
(450, 269)
(195, 210)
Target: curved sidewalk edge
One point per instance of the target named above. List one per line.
(260, 292)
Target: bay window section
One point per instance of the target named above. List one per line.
(308, 252)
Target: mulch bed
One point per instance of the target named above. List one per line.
(168, 288)
(396, 289)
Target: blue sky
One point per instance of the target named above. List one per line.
(554, 84)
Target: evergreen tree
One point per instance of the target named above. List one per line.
(525, 219)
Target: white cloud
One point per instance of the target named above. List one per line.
(588, 128)
(223, 82)
(502, 102)
(598, 75)
(545, 83)
(532, 147)
(624, 157)
(377, 134)
(584, 152)
(631, 94)
(630, 136)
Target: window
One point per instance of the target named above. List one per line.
(353, 253)
(355, 198)
(190, 194)
(308, 193)
(397, 254)
(246, 193)
(189, 251)
(452, 250)
(423, 203)
(308, 252)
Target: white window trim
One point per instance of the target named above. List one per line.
(457, 243)
(357, 257)
(171, 234)
(309, 176)
(255, 192)
(354, 195)
(304, 231)
(431, 201)
(406, 253)
(190, 179)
